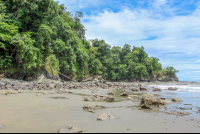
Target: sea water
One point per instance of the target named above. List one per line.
(189, 93)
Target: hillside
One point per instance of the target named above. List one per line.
(43, 39)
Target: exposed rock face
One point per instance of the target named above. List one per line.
(105, 116)
(69, 129)
(149, 101)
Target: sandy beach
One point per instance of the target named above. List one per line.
(36, 111)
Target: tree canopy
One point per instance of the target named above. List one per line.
(41, 33)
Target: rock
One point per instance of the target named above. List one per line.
(163, 98)
(101, 106)
(149, 101)
(60, 89)
(105, 116)
(1, 126)
(133, 96)
(124, 94)
(87, 106)
(164, 102)
(129, 98)
(12, 92)
(142, 88)
(8, 86)
(51, 86)
(156, 89)
(69, 129)
(135, 89)
(59, 97)
(109, 99)
(173, 88)
(111, 92)
(176, 100)
(87, 99)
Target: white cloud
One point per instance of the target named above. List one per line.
(174, 34)
(197, 71)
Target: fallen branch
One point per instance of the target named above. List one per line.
(66, 76)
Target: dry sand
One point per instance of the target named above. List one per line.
(26, 112)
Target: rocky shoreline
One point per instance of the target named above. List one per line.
(135, 94)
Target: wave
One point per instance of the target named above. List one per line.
(181, 88)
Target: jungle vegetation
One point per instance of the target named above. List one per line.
(42, 33)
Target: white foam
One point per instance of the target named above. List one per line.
(181, 88)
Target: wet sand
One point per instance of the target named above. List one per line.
(26, 112)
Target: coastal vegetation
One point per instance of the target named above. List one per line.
(42, 33)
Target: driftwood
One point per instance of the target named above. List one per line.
(66, 76)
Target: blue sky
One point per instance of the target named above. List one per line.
(168, 29)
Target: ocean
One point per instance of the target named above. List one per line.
(188, 92)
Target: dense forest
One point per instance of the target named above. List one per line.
(42, 33)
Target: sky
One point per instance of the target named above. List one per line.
(168, 29)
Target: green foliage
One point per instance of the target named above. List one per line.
(27, 56)
(169, 70)
(41, 33)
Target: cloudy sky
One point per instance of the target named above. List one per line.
(168, 29)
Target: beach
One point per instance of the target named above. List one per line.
(38, 110)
